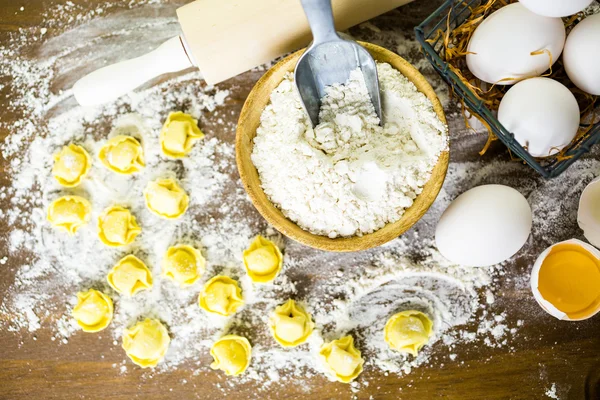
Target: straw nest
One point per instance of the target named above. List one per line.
(455, 42)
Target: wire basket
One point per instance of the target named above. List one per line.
(452, 14)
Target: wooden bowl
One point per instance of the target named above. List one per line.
(250, 120)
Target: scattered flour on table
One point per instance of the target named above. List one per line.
(348, 176)
(54, 266)
(350, 293)
(551, 392)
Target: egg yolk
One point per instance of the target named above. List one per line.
(570, 279)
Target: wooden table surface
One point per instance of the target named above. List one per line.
(544, 352)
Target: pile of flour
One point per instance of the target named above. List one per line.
(348, 176)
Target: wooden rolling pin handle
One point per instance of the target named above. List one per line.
(113, 81)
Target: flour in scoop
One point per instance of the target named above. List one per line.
(348, 176)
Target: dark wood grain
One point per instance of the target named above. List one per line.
(542, 352)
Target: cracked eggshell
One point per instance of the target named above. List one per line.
(588, 215)
(535, 275)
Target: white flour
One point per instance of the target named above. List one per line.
(551, 392)
(346, 293)
(348, 176)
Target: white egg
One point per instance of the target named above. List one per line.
(582, 55)
(556, 8)
(500, 50)
(542, 114)
(588, 215)
(484, 226)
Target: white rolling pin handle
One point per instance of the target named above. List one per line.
(113, 81)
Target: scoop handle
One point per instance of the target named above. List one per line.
(113, 81)
(320, 19)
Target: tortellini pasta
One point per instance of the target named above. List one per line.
(117, 227)
(342, 359)
(263, 260)
(165, 198)
(69, 213)
(221, 295)
(129, 276)
(94, 310)
(71, 165)
(290, 324)
(146, 343)
(408, 331)
(183, 264)
(178, 134)
(232, 354)
(122, 154)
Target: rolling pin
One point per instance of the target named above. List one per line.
(223, 38)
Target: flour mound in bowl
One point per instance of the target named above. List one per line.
(348, 176)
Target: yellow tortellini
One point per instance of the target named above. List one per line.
(165, 198)
(94, 310)
(122, 154)
(232, 354)
(146, 343)
(69, 213)
(71, 165)
(117, 227)
(183, 264)
(342, 359)
(263, 260)
(178, 134)
(221, 295)
(129, 276)
(408, 331)
(290, 324)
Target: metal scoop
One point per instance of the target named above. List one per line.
(329, 60)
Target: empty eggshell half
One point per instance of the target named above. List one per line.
(588, 215)
(535, 282)
(484, 226)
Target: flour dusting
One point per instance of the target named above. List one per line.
(345, 293)
(57, 266)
